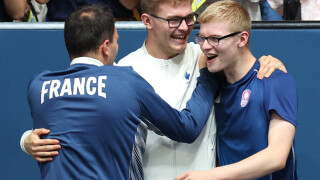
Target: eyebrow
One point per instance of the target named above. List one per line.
(170, 17)
(216, 36)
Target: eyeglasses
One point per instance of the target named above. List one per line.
(213, 41)
(176, 21)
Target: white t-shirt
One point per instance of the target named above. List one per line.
(174, 80)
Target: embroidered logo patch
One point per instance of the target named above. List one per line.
(245, 97)
(187, 76)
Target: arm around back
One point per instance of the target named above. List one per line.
(184, 126)
(40, 149)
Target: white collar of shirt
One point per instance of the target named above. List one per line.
(86, 60)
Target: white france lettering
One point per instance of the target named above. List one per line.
(66, 87)
(101, 85)
(44, 90)
(91, 86)
(79, 85)
(54, 86)
(93, 90)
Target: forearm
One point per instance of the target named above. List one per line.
(16, 9)
(184, 126)
(42, 1)
(255, 166)
(130, 4)
(271, 159)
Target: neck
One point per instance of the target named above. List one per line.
(241, 67)
(96, 56)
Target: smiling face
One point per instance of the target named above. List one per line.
(163, 41)
(223, 56)
(220, 19)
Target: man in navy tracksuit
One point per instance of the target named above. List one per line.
(97, 111)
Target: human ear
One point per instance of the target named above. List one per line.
(244, 38)
(145, 18)
(105, 47)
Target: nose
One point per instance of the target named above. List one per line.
(205, 45)
(183, 25)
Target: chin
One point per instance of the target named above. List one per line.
(180, 47)
(179, 50)
(213, 70)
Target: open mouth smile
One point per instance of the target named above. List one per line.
(211, 58)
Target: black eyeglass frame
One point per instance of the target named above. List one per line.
(194, 15)
(213, 37)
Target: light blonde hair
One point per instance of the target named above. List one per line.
(227, 11)
(151, 6)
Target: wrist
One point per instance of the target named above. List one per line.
(23, 138)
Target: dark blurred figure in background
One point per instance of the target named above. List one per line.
(22, 11)
(58, 10)
(4, 17)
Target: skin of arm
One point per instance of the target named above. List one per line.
(268, 160)
(41, 150)
(16, 9)
(131, 4)
(42, 1)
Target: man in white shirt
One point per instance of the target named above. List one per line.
(170, 64)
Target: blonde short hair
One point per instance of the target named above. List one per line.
(151, 6)
(227, 11)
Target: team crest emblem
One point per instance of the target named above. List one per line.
(245, 97)
(187, 76)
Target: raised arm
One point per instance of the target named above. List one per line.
(184, 126)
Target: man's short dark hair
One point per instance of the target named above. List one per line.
(86, 28)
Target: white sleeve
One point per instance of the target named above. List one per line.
(23, 137)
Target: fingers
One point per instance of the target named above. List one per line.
(268, 65)
(46, 159)
(45, 156)
(264, 60)
(202, 61)
(181, 177)
(41, 149)
(268, 70)
(45, 148)
(44, 142)
(283, 68)
(41, 131)
(44, 153)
